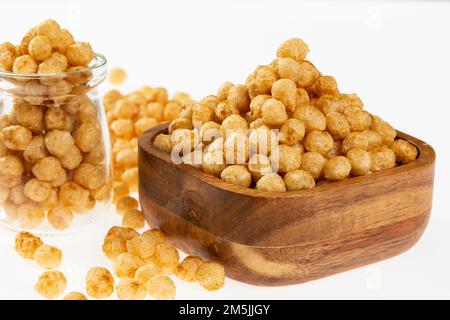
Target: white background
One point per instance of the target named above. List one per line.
(395, 55)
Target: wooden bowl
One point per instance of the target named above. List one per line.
(272, 239)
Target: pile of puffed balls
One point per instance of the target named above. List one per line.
(287, 128)
(52, 153)
(142, 262)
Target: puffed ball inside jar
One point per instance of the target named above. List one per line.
(51, 123)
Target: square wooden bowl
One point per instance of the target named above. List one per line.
(273, 239)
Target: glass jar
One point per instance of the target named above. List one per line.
(55, 172)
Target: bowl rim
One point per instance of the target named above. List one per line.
(426, 156)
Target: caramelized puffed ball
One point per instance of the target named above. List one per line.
(51, 284)
(124, 109)
(16, 137)
(122, 233)
(259, 165)
(37, 191)
(99, 283)
(337, 168)
(11, 166)
(126, 203)
(294, 48)
(62, 40)
(25, 64)
(7, 56)
(271, 182)
(308, 74)
(359, 120)
(211, 275)
(222, 92)
(56, 63)
(236, 148)
(113, 246)
(130, 289)
(126, 265)
(180, 123)
(156, 235)
(188, 268)
(17, 195)
(355, 140)
(172, 110)
(214, 162)
(72, 158)
(319, 141)
(360, 160)
(405, 152)
(286, 158)
(75, 296)
(327, 85)
(238, 95)
(73, 195)
(262, 140)
(288, 68)
(59, 143)
(292, 132)
(209, 132)
(238, 175)
(30, 215)
(166, 257)
(264, 77)
(225, 109)
(88, 136)
(40, 48)
(48, 28)
(47, 169)
(233, 123)
(337, 125)
(384, 129)
(141, 246)
(127, 158)
(273, 112)
(80, 54)
(117, 76)
(374, 139)
(48, 257)
(257, 103)
(298, 180)
(60, 218)
(145, 273)
(161, 288)
(89, 176)
(133, 218)
(285, 90)
(29, 116)
(312, 117)
(27, 244)
(202, 113)
(382, 158)
(119, 191)
(57, 119)
(313, 162)
(163, 142)
(110, 98)
(144, 124)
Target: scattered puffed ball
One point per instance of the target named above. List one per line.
(117, 76)
(48, 257)
(161, 288)
(156, 235)
(130, 289)
(75, 296)
(26, 244)
(51, 284)
(60, 218)
(211, 275)
(126, 265)
(188, 268)
(133, 218)
(126, 203)
(141, 246)
(146, 272)
(166, 257)
(99, 283)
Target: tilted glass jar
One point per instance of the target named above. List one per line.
(55, 172)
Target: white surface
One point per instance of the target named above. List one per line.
(395, 55)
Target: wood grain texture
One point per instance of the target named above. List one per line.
(267, 238)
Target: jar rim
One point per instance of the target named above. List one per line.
(99, 62)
